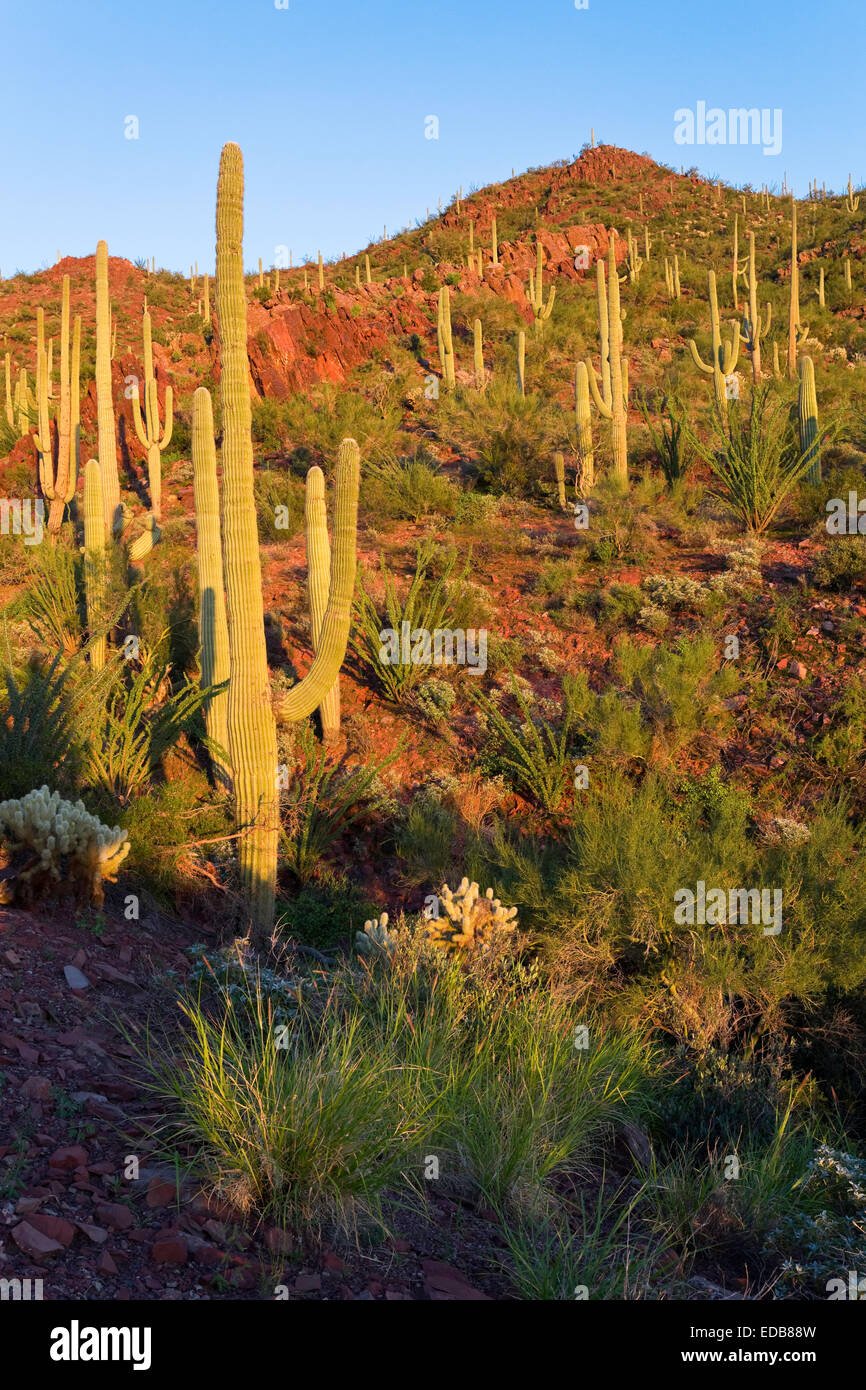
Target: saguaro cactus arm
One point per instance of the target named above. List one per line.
(309, 693)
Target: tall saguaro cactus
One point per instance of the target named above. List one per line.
(797, 332)
(478, 354)
(613, 368)
(94, 561)
(724, 355)
(251, 727)
(541, 310)
(318, 586)
(148, 429)
(59, 479)
(494, 243)
(756, 325)
(446, 344)
(807, 410)
(583, 418)
(107, 444)
(212, 625)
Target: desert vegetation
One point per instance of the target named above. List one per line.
(450, 660)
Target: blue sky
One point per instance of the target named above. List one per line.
(328, 100)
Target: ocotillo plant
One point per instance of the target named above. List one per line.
(807, 409)
(724, 355)
(318, 587)
(584, 426)
(94, 562)
(148, 429)
(212, 625)
(107, 445)
(478, 354)
(251, 726)
(541, 310)
(756, 325)
(59, 479)
(521, 362)
(613, 405)
(851, 203)
(446, 345)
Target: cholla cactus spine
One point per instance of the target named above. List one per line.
(376, 942)
(67, 840)
(467, 921)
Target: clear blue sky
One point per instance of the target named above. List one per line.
(328, 100)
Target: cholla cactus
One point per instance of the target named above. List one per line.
(468, 921)
(376, 942)
(59, 841)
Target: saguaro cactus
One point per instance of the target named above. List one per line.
(797, 332)
(821, 286)
(446, 345)
(59, 480)
(584, 426)
(541, 310)
(756, 325)
(613, 375)
(148, 429)
(251, 726)
(807, 408)
(212, 625)
(478, 354)
(494, 243)
(10, 406)
(521, 362)
(559, 473)
(852, 203)
(724, 355)
(367, 271)
(94, 561)
(318, 587)
(107, 444)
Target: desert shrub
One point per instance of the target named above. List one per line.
(408, 489)
(279, 505)
(841, 565)
(524, 747)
